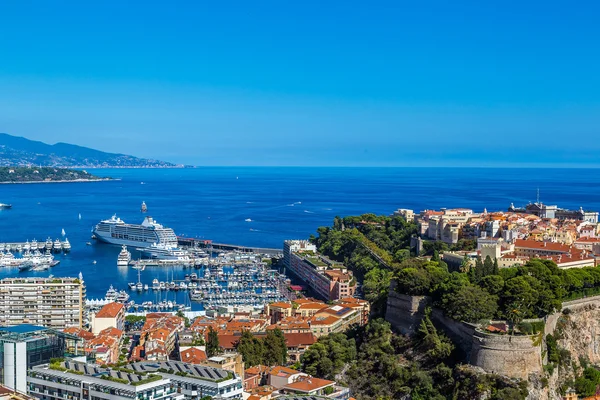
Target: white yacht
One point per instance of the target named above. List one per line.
(155, 284)
(66, 246)
(124, 257)
(162, 251)
(49, 244)
(57, 246)
(111, 294)
(26, 246)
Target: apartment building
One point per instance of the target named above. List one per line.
(195, 381)
(78, 381)
(110, 315)
(50, 302)
(330, 280)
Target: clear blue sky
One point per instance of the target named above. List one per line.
(307, 83)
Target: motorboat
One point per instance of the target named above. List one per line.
(155, 284)
(124, 257)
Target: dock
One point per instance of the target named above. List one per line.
(210, 245)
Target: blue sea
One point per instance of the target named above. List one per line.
(282, 203)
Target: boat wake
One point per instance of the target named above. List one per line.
(254, 230)
(308, 212)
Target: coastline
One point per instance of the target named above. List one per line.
(64, 181)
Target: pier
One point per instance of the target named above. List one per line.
(210, 245)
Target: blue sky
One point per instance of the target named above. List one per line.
(307, 83)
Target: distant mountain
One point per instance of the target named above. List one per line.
(19, 151)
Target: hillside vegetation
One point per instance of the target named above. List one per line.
(19, 151)
(43, 174)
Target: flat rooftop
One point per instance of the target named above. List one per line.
(192, 370)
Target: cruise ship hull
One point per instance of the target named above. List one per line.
(130, 243)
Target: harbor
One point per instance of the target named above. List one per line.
(231, 279)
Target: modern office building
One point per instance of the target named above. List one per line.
(195, 381)
(80, 381)
(56, 303)
(25, 346)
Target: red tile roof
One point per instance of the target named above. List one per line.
(299, 339)
(193, 355)
(111, 310)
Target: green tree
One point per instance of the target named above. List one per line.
(275, 348)
(470, 303)
(212, 345)
(251, 348)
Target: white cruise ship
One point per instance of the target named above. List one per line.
(116, 231)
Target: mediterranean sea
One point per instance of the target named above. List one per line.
(280, 203)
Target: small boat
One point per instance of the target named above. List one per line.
(139, 286)
(248, 220)
(63, 232)
(4, 206)
(155, 284)
(146, 287)
(144, 207)
(88, 244)
(94, 262)
(131, 285)
(79, 216)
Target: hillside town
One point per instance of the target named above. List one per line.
(571, 238)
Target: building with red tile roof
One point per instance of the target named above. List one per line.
(193, 355)
(112, 314)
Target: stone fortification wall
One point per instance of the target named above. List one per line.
(405, 312)
(514, 356)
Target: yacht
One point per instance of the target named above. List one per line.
(57, 246)
(183, 286)
(146, 287)
(122, 297)
(139, 286)
(162, 251)
(155, 284)
(111, 294)
(66, 246)
(131, 285)
(124, 257)
(49, 244)
(116, 231)
(26, 246)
